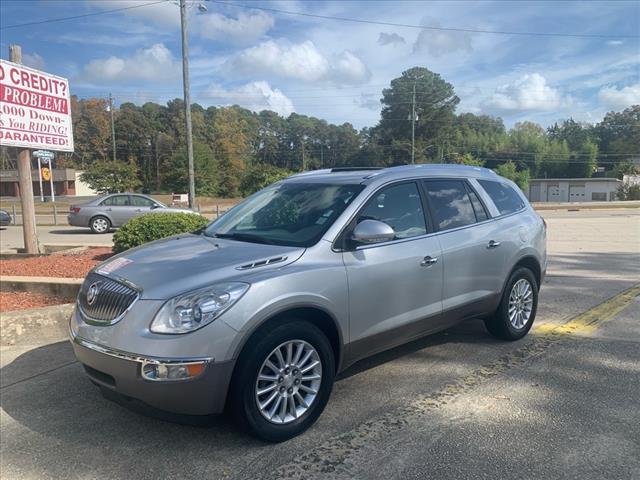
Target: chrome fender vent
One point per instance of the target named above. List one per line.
(261, 263)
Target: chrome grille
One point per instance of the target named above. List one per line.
(104, 300)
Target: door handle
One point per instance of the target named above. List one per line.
(108, 209)
(428, 261)
(493, 244)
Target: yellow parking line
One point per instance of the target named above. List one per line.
(589, 321)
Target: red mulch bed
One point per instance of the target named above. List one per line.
(60, 264)
(21, 300)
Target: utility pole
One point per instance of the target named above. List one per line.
(113, 128)
(157, 163)
(187, 99)
(26, 186)
(413, 124)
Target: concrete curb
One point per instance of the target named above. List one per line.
(585, 205)
(61, 287)
(35, 326)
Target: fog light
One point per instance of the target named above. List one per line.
(172, 371)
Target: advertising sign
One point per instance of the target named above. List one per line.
(35, 111)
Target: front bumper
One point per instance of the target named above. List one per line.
(121, 372)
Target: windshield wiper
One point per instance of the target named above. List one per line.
(244, 237)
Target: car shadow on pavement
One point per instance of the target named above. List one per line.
(75, 231)
(34, 385)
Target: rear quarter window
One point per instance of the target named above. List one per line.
(505, 198)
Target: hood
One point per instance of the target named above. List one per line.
(178, 264)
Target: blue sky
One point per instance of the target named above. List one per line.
(334, 69)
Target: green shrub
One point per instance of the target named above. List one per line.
(154, 226)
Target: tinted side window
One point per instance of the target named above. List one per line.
(481, 213)
(398, 206)
(137, 201)
(504, 197)
(450, 203)
(116, 201)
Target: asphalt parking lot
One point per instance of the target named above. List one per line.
(561, 403)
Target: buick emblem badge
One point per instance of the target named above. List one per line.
(92, 293)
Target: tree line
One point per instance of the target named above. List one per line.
(237, 151)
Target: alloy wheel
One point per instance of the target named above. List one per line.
(288, 381)
(520, 303)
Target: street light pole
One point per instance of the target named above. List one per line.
(187, 99)
(113, 128)
(413, 125)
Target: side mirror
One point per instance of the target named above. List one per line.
(154, 206)
(372, 231)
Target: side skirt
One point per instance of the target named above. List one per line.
(389, 339)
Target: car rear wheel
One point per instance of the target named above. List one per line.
(283, 382)
(518, 306)
(100, 224)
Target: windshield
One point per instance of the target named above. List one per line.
(293, 214)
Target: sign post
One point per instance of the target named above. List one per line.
(40, 180)
(35, 112)
(24, 171)
(45, 173)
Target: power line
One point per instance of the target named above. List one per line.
(424, 27)
(84, 15)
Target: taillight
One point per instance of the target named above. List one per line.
(75, 209)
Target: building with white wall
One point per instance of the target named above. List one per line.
(573, 189)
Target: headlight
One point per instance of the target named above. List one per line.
(196, 309)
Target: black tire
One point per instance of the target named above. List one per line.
(242, 399)
(93, 224)
(499, 324)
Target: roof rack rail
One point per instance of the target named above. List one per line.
(354, 169)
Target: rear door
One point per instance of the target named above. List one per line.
(472, 256)
(395, 287)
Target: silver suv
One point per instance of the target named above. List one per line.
(261, 309)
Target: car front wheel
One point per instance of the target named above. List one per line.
(284, 381)
(518, 306)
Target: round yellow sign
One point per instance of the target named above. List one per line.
(46, 173)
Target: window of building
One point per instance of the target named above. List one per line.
(599, 196)
(504, 197)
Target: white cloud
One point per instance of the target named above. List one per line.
(255, 96)
(438, 42)
(300, 61)
(243, 30)
(155, 64)
(348, 69)
(390, 39)
(33, 60)
(166, 14)
(618, 99)
(528, 93)
(614, 43)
